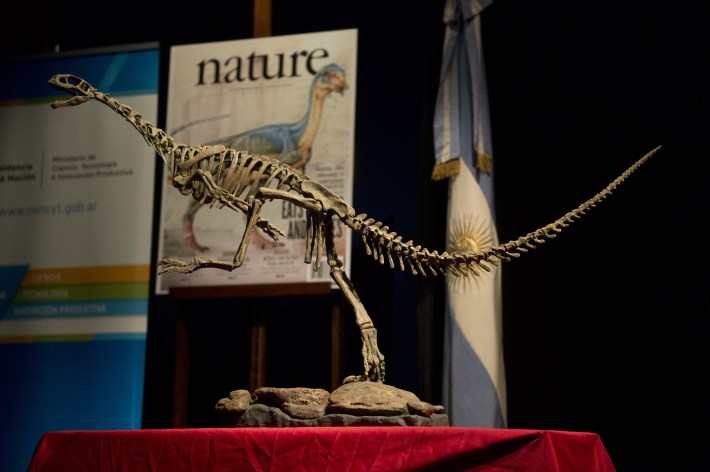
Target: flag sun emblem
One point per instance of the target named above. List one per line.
(469, 233)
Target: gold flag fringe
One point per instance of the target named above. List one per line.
(484, 163)
(446, 169)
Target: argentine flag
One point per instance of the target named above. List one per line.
(474, 375)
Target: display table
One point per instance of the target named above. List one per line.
(354, 448)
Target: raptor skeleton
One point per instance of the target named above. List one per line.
(225, 177)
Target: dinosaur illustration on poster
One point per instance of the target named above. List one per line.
(289, 143)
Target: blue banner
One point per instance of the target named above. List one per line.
(74, 263)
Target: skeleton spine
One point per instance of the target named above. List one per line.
(238, 172)
(163, 144)
(235, 171)
(384, 245)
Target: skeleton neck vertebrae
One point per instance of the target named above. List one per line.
(243, 182)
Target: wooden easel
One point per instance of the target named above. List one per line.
(258, 334)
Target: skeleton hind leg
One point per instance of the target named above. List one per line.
(251, 207)
(373, 360)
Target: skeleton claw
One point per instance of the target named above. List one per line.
(374, 375)
(270, 230)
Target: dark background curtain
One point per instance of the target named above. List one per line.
(605, 327)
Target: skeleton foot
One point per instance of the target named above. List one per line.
(190, 265)
(176, 265)
(373, 359)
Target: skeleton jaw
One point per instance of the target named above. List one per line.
(80, 90)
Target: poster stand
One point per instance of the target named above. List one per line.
(258, 333)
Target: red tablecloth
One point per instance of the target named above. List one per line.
(321, 448)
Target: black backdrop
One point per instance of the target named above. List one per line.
(605, 327)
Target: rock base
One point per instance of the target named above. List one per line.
(259, 415)
(352, 404)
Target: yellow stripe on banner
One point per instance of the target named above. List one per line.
(58, 338)
(67, 338)
(86, 275)
(16, 339)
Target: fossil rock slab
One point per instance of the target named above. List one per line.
(237, 402)
(353, 404)
(260, 415)
(376, 398)
(300, 403)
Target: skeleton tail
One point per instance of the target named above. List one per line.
(384, 245)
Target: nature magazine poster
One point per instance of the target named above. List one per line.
(288, 97)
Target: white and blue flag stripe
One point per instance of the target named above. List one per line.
(474, 376)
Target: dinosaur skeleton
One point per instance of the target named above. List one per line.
(225, 177)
